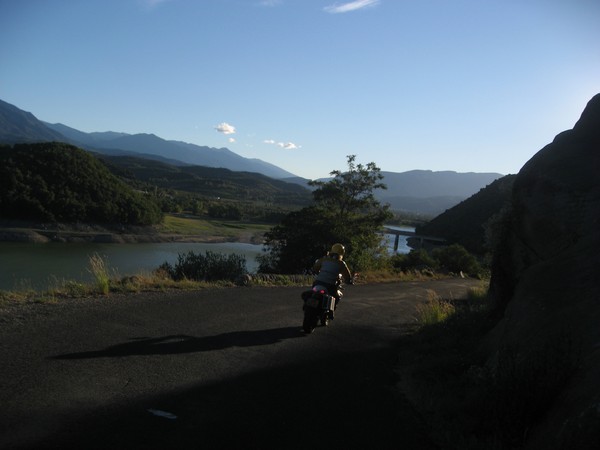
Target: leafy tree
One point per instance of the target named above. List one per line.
(344, 210)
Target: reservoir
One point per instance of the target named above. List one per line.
(41, 266)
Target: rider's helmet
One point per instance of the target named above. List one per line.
(338, 249)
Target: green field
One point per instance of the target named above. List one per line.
(193, 226)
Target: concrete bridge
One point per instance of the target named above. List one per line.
(421, 238)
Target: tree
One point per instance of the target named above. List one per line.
(344, 210)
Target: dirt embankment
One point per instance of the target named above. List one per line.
(96, 234)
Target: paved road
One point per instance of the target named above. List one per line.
(211, 369)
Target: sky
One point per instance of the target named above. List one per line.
(461, 85)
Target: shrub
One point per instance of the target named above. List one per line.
(455, 258)
(208, 267)
(415, 260)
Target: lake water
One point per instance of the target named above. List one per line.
(39, 266)
(402, 241)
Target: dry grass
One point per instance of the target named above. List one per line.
(436, 309)
(383, 276)
(106, 280)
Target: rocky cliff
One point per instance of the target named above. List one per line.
(546, 284)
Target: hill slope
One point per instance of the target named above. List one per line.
(465, 223)
(210, 182)
(59, 182)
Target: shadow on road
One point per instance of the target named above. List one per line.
(340, 400)
(181, 343)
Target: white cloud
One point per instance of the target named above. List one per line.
(287, 145)
(350, 6)
(231, 140)
(283, 145)
(225, 128)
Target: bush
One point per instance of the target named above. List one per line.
(208, 267)
(415, 260)
(456, 258)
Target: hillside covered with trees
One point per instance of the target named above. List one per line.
(58, 182)
(471, 222)
(209, 182)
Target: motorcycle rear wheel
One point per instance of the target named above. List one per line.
(310, 320)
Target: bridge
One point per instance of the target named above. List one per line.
(421, 238)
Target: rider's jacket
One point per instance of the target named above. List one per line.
(330, 267)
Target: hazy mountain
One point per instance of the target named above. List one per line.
(426, 183)
(154, 147)
(428, 192)
(20, 126)
(17, 125)
(76, 136)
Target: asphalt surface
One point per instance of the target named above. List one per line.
(211, 369)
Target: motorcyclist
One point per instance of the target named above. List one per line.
(329, 268)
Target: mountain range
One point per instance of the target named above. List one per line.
(417, 191)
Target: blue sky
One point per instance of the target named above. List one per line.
(463, 85)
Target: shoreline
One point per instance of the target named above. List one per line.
(43, 236)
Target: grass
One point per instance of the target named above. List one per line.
(436, 310)
(280, 280)
(100, 272)
(106, 281)
(192, 226)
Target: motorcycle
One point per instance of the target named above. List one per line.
(319, 305)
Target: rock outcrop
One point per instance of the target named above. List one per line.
(546, 282)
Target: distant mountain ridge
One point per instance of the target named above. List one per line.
(431, 193)
(416, 191)
(18, 126)
(179, 152)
